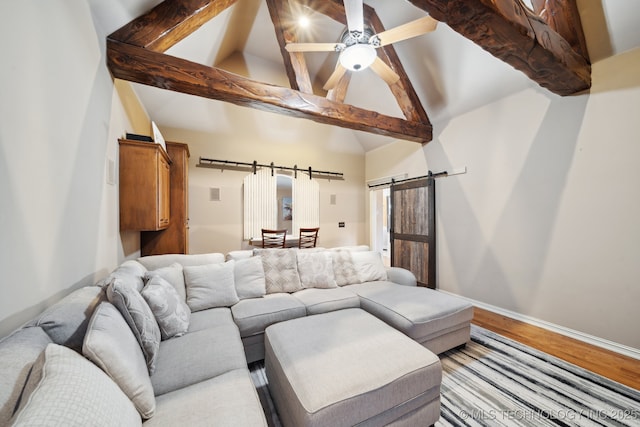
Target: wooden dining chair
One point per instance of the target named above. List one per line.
(308, 237)
(274, 238)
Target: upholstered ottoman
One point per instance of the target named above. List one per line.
(347, 367)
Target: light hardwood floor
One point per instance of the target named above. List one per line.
(620, 368)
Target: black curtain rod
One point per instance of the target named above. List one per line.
(432, 175)
(255, 165)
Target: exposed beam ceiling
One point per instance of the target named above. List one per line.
(134, 54)
(511, 32)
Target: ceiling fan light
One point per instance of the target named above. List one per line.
(357, 57)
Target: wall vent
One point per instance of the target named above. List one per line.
(214, 194)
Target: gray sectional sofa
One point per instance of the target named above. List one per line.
(166, 340)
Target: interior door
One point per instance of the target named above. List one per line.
(413, 229)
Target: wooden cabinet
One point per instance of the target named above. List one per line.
(144, 186)
(175, 238)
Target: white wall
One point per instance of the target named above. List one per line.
(545, 222)
(60, 122)
(216, 226)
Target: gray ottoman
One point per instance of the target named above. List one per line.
(347, 367)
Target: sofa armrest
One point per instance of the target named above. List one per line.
(401, 276)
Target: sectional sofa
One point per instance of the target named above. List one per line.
(166, 340)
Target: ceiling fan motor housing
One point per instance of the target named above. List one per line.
(359, 53)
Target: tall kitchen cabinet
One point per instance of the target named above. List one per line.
(144, 186)
(174, 239)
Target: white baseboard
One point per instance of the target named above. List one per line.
(571, 333)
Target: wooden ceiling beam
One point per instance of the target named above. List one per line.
(402, 90)
(140, 65)
(509, 31)
(294, 62)
(563, 17)
(339, 93)
(169, 22)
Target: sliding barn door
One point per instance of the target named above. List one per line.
(413, 229)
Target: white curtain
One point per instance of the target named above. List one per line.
(260, 203)
(306, 203)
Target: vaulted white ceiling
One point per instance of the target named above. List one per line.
(451, 74)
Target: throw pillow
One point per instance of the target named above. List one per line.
(129, 271)
(316, 269)
(66, 389)
(249, 278)
(343, 268)
(172, 274)
(280, 270)
(210, 285)
(369, 266)
(110, 344)
(139, 317)
(170, 311)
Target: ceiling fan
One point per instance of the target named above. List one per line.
(358, 44)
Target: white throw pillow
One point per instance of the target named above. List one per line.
(249, 278)
(343, 268)
(170, 311)
(369, 266)
(210, 285)
(316, 269)
(110, 344)
(280, 270)
(66, 389)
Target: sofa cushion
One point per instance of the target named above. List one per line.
(111, 345)
(280, 270)
(249, 278)
(210, 285)
(369, 266)
(253, 315)
(228, 400)
(197, 356)
(129, 271)
(66, 321)
(18, 352)
(172, 274)
(138, 316)
(238, 255)
(170, 311)
(153, 262)
(66, 389)
(344, 269)
(316, 269)
(319, 301)
(210, 318)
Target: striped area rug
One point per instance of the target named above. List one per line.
(495, 381)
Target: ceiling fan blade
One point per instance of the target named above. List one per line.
(408, 30)
(312, 47)
(384, 71)
(355, 18)
(335, 77)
